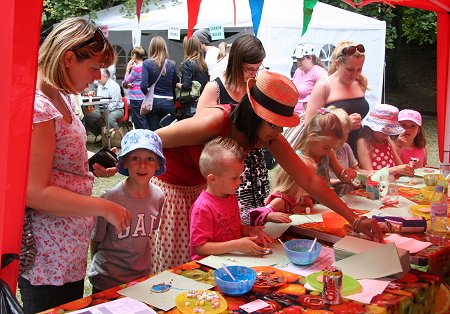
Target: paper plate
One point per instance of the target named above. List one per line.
(420, 211)
(420, 172)
(349, 284)
(181, 300)
(273, 273)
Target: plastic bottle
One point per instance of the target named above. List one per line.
(438, 226)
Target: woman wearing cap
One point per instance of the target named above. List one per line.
(376, 150)
(267, 107)
(246, 56)
(310, 70)
(344, 88)
(58, 200)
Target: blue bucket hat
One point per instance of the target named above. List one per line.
(141, 138)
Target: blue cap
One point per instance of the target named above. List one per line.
(141, 138)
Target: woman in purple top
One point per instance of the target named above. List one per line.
(132, 81)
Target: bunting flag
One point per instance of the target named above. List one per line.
(308, 6)
(138, 9)
(256, 7)
(193, 9)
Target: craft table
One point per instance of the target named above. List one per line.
(435, 258)
(414, 293)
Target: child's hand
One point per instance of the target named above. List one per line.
(401, 140)
(403, 170)
(248, 245)
(278, 217)
(262, 237)
(356, 120)
(348, 175)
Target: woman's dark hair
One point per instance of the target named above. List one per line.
(246, 120)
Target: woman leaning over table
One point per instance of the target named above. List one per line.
(245, 59)
(59, 182)
(344, 88)
(266, 108)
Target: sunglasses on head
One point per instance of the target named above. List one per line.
(350, 50)
(97, 37)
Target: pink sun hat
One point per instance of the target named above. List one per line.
(410, 115)
(383, 118)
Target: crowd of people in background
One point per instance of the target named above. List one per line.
(196, 175)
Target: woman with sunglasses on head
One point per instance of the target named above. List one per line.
(345, 87)
(257, 122)
(58, 201)
(244, 61)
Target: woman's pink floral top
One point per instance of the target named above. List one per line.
(62, 242)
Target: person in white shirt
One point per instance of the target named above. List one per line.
(211, 52)
(106, 88)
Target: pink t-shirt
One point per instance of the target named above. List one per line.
(62, 242)
(305, 83)
(214, 219)
(382, 156)
(406, 154)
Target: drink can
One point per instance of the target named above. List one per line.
(332, 285)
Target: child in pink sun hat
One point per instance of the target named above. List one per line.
(375, 147)
(411, 145)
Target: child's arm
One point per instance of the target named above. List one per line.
(245, 245)
(425, 155)
(344, 174)
(363, 154)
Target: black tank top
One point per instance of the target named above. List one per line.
(223, 97)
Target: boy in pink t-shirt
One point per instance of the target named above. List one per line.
(215, 222)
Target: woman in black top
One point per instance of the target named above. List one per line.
(193, 68)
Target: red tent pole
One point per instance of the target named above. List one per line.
(442, 84)
(21, 24)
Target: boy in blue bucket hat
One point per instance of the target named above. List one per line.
(124, 257)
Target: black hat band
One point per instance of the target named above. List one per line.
(271, 104)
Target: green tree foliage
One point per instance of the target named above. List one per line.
(414, 25)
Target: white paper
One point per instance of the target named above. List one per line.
(164, 300)
(420, 172)
(276, 230)
(325, 259)
(378, 262)
(119, 306)
(254, 306)
(370, 288)
(276, 258)
(411, 182)
(412, 245)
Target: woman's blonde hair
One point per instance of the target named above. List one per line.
(66, 36)
(217, 152)
(323, 125)
(338, 57)
(193, 51)
(157, 51)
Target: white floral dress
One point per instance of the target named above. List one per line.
(62, 242)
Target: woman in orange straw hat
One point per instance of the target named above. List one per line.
(258, 121)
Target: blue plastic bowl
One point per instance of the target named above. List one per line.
(297, 251)
(245, 278)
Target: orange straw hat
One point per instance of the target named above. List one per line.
(273, 97)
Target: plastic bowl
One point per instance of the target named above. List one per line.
(245, 278)
(431, 179)
(297, 251)
(427, 192)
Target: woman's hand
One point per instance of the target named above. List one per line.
(118, 216)
(100, 171)
(348, 175)
(369, 227)
(356, 120)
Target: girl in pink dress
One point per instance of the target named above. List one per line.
(375, 147)
(412, 143)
